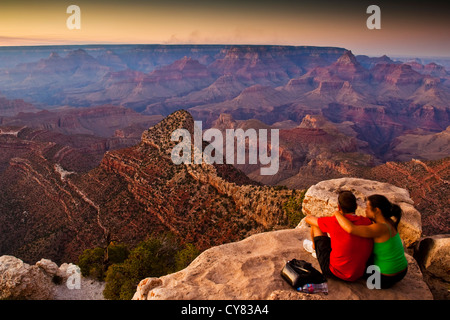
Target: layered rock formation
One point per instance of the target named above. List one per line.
(55, 211)
(100, 121)
(421, 145)
(10, 108)
(388, 110)
(310, 152)
(269, 83)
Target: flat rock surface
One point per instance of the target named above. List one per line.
(250, 269)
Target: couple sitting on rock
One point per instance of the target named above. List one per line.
(356, 242)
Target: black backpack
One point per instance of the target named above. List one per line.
(300, 272)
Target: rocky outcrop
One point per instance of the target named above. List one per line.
(433, 256)
(398, 74)
(133, 193)
(321, 200)
(19, 280)
(345, 68)
(262, 204)
(45, 281)
(256, 63)
(250, 270)
(158, 136)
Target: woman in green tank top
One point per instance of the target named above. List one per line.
(388, 252)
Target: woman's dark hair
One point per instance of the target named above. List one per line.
(347, 201)
(387, 208)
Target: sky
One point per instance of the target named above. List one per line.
(408, 28)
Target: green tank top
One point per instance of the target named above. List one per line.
(389, 256)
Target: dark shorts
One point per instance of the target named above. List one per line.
(323, 250)
(389, 281)
(386, 281)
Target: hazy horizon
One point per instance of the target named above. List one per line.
(409, 28)
(392, 56)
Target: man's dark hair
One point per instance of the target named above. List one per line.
(347, 201)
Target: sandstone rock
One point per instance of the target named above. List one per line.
(433, 257)
(321, 200)
(64, 269)
(250, 269)
(145, 286)
(45, 281)
(49, 267)
(19, 280)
